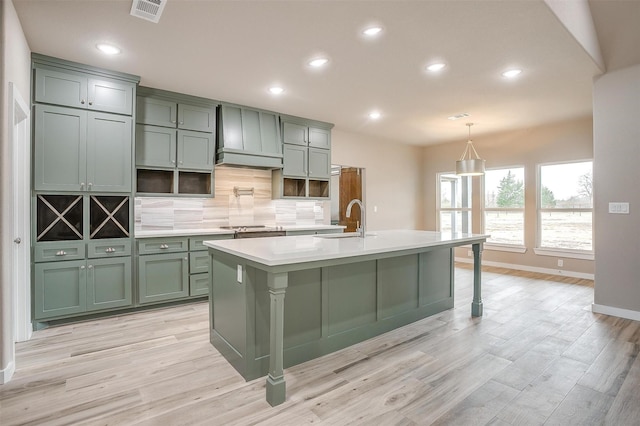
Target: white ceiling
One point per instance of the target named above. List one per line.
(235, 50)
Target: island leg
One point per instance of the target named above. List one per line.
(476, 305)
(276, 386)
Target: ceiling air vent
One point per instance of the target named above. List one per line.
(148, 9)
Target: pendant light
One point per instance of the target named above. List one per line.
(467, 165)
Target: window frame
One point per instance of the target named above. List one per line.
(554, 251)
(489, 245)
(440, 209)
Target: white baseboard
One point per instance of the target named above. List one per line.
(7, 373)
(559, 272)
(616, 312)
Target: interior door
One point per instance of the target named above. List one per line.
(350, 188)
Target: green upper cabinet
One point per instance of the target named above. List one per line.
(79, 90)
(168, 113)
(77, 150)
(306, 172)
(248, 137)
(299, 134)
(155, 146)
(195, 150)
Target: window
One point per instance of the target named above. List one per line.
(565, 207)
(454, 203)
(504, 206)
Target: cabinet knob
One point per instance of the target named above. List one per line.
(186, 258)
(81, 185)
(61, 253)
(82, 267)
(110, 250)
(182, 122)
(90, 103)
(82, 101)
(164, 246)
(90, 266)
(90, 185)
(180, 162)
(173, 161)
(17, 240)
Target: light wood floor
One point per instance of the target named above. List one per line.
(538, 356)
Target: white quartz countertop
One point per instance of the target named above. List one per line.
(217, 231)
(275, 251)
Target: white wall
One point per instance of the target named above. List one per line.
(616, 175)
(393, 178)
(16, 63)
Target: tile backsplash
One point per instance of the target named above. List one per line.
(228, 209)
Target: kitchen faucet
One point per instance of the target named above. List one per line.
(361, 229)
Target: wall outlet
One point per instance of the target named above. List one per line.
(239, 273)
(560, 263)
(619, 208)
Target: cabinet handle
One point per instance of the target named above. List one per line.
(110, 250)
(61, 253)
(164, 246)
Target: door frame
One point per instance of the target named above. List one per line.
(20, 140)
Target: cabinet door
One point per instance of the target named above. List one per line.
(195, 150)
(199, 285)
(109, 144)
(294, 160)
(110, 96)
(270, 133)
(108, 283)
(294, 133)
(319, 138)
(60, 288)
(199, 262)
(319, 163)
(163, 277)
(60, 148)
(55, 87)
(155, 146)
(191, 117)
(156, 112)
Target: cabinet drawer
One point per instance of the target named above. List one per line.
(59, 250)
(109, 248)
(162, 245)
(196, 243)
(198, 262)
(199, 285)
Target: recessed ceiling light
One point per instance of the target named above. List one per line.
(318, 62)
(372, 31)
(374, 115)
(276, 90)
(108, 49)
(511, 73)
(436, 67)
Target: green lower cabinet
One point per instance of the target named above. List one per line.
(75, 287)
(60, 289)
(163, 277)
(108, 283)
(199, 284)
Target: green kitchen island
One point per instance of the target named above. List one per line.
(340, 289)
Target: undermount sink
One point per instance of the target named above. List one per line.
(345, 235)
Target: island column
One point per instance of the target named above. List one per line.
(276, 385)
(476, 305)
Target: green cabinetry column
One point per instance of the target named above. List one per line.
(276, 385)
